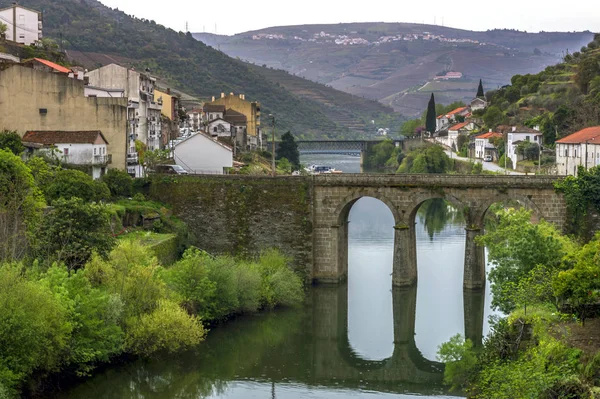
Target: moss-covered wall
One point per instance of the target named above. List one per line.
(242, 215)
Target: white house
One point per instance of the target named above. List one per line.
(478, 103)
(444, 121)
(459, 129)
(202, 154)
(483, 146)
(219, 128)
(23, 24)
(519, 135)
(581, 148)
(85, 148)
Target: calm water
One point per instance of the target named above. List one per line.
(362, 339)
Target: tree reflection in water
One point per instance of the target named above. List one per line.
(435, 214)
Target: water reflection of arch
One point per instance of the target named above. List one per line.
(335, 358)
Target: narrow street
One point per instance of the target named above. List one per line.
(490, 166)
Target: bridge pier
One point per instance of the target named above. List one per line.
(474, 271)
(474, 306)
(363, 154)
(404, 273)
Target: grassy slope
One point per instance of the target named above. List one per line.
(88, 26)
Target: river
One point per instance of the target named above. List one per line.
(362, 339)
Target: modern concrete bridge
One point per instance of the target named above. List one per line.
(307, 217)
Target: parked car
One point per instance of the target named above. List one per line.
(487, 158)
(170, 170)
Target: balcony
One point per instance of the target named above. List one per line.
(102, 159)
(132, 158)
(154, 105)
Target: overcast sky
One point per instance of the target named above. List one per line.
(235, 16)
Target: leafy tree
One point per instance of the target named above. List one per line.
(505, 161)
(461, 362)
(70, 183)
(3, 29)
(288, 148)
(480, 93)
(589, 68)
(11, 141)
(154, 157)
(118, 182)
(431, 117)
(71, 231)
(528, 150)
(20, 206)
(34, 330)
(516, 247)
(493, 117)
(380, 154)
(284, 166)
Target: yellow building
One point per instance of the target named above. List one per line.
(37, 100)
(250, 109)
(169, 103)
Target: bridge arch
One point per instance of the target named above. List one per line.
(524, 200)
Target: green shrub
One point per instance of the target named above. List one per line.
(279, 284)
(70, 183)
(167, 328)
(139, 197)
(34, 328)
(461, 362)
(503, 159)
(118, 182)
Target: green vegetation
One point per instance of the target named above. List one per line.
(582, 194)
(416, 126)
(545, 279)
(119, 183)
(11, 141)
(383, 156)
(429, 159)
(288, 149)
(73, 297)
(430, 118)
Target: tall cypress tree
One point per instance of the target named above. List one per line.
(288, 148)
(430, 124)
(480, 93)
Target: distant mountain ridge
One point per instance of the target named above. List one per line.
(396, 63)
(97, 34)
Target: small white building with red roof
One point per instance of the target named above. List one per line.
(484, 147)
(444, 121)
(581, 148)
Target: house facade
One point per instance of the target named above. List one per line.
(518, 135)
(144, 113)
(59, 104)
(24, 25)
(581, 148)
(81, 148)
(250, 109)
(484, 147)
(463, 128)
(478, 104)
(201, 154)
(446, 120)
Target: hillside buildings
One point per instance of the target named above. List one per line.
(35, 100)
(24, 25)
(483, 145)
(143, 112)
(518, 135)
(251, 110)
(581, 148)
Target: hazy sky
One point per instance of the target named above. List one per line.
(235, 16)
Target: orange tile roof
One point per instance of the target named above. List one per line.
(589, 133)
(459, 126)
(489, 135)
(56, 67)
(457, 110)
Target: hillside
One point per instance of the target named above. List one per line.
(561, 99)
(396, 63)
(96, 34)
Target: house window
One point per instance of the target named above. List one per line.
(215, 129)
(575, 149)
(66, 151)
(95, 151)
(527, 138)
(566, 152)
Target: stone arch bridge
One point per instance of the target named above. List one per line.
(307, 217)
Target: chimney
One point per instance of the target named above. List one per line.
(213, 98)
(169, 90)
(231, 94)
(490, 130)
(222, 95)
(514, 128)
(241, 97)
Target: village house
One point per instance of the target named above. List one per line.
(446, 120)
(484, 147)
(23, 25)
(518, 135)
(201, 154)
(454, 131)
(81, 148)
(42, 101)
(143, 111)
(478, 104)
(251, 110)
(169, 114)
(581, 148)
(194, 119)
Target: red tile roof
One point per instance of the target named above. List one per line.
(459, 126)
(56, 67)
(214, 108)
(456, 111)
(62, 137)
(489, 135)
(589, 133)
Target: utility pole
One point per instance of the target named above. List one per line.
(505, 153)
(273, 147)
(540, 154)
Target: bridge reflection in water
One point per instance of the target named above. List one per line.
(334, 358)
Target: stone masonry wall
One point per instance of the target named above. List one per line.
(242, 215)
